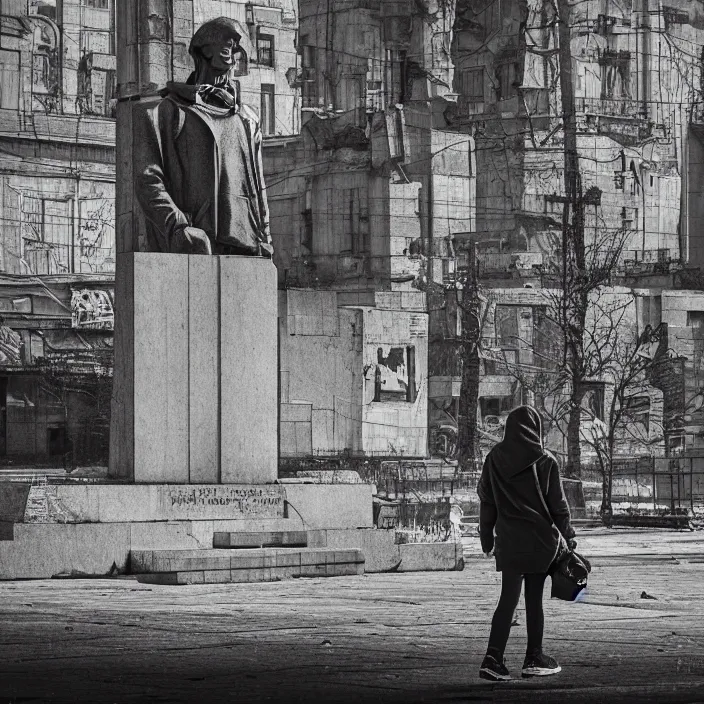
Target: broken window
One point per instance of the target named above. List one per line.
(395, 374)
(46, 235)
(637, 410)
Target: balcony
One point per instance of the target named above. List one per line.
(609, 107)
(651, 261)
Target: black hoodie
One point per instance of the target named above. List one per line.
(526, 542)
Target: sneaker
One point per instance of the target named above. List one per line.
(540, 666)
(493, 669)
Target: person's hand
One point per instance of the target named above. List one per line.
(489, 554)
(191, 240)
(572, 544)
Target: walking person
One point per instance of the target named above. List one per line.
(513, 526)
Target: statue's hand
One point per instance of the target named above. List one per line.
(191, 240)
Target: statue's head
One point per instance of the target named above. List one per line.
(216, 46)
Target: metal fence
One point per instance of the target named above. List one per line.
(660, 483)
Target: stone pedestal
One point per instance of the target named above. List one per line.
(195, 386)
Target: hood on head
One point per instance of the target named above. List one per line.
(523, 425)
(523, 441)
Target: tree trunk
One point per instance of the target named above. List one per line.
(573, 468)
(606, 510)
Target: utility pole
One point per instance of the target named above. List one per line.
(468, 446)
(575, 293)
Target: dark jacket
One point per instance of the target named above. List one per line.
(526, 541)
(177, 164)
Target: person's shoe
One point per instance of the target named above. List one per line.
(493, 669)
(540, 666)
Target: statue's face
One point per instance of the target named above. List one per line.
(221, 54)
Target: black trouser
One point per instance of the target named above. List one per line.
(503, 616)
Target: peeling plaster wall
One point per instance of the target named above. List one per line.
(395, 427)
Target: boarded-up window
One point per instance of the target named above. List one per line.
(473, 85)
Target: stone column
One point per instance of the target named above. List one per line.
(195, 385)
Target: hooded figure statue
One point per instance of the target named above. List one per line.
(198, 156)
(526, 542)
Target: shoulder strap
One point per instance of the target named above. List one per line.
(542, 497)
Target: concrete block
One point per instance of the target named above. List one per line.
(13, 499)
(249, 378)
(260, 539)
(195, 387)
(430, 557)
(42, 551)
(204, 369)
(331, 505)
(160, 349)
(217, 576)
(251, 559)
(288, 559)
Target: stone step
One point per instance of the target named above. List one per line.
(301, 560)
(261, 539)
(268, 574)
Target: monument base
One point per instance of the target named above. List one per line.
(80, 530)
(195, 389)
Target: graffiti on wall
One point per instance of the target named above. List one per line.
(92, 309)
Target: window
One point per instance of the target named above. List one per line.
(267, 115)
(9, 79)
(265, 49)
(507, 327)
(309, 88)
(395, 374)
(473, 85)
(695, 319)
(637, 410)
(97, 4)
(615, 75)
(593, 401)
(506, 80)
(307, 217)
(46, 235)
(46, 8)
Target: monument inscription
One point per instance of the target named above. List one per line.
(245, 501)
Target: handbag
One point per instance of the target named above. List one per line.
(569, 570)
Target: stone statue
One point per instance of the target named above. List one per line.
(198, 157)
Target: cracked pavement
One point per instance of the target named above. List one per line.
(415, 637)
